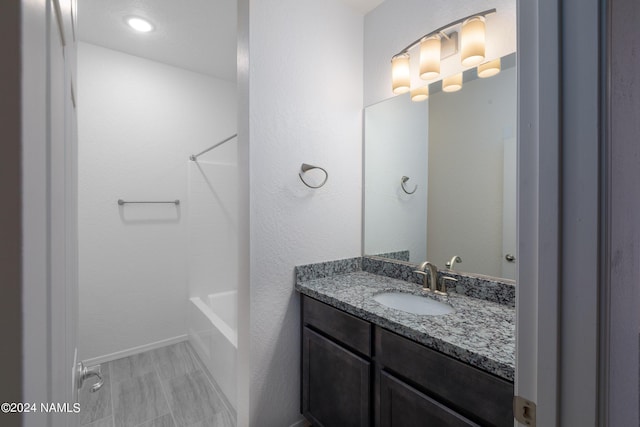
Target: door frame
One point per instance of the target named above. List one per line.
(577, 320)
(620, 163)
(538, 270)
(36, 373)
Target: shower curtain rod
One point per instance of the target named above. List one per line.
(193, 157)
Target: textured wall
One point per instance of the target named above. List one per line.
(138, 122)
(305, 106)
(395, 23)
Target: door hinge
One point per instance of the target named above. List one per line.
(524, 411)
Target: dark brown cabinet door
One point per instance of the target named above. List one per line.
(477, 395)
(403, 406)
(335, 384)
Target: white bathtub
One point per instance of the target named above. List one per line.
(213, 333)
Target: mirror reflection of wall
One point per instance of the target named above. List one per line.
(460, 151)
(396, 145)
(469, 133)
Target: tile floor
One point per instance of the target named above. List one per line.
(166, 387)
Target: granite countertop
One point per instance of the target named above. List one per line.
(480, 333)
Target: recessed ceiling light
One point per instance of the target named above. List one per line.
(139, 24)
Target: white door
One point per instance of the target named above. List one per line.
(63, 210)
(49, 213)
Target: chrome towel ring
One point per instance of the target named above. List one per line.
(305, 168)
(403, 180)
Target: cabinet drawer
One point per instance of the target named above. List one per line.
(477, 395)
(336, 384)
(345, 328)
(403, 406)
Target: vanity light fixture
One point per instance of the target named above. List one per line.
(420, 94)
(452, 83)
(472, 41)
(400, 73)
(489, 69)
(430, 57)
(141, 25)
(436, 46)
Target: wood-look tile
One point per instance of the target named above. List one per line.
(138, 400)
(221, 419)
(132, 366)
(104, 422)
(163, 421)
(192, 399)
(174, 360)
(97, 405)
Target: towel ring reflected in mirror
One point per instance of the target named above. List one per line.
(403, 180)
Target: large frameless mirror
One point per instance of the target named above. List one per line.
(440, 176)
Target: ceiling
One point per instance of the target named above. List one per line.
(199, 35)
(363, 6)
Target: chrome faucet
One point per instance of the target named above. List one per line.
(431, 282)
(453, 260)
(430, 277)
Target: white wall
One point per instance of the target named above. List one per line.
(305, 106)
(397, 138)
(467, 130)
(395, 23)
(138, 122)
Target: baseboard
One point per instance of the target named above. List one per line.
(134, 350)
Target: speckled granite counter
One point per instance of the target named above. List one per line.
(480, 333)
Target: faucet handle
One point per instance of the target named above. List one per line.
(425, 284)
(444, 280)
(443, 284)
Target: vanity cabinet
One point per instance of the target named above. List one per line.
(478, 398)
(403, 406)
(336, 367)
(358, 374)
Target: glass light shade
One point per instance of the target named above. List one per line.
(452, 83)
(430, 58)
(400, 74)
(489, 69)
(472, 41)
(420, 94)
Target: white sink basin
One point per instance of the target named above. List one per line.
(415, 304)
